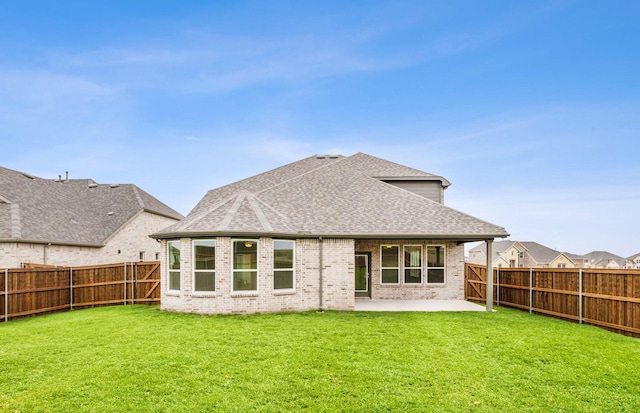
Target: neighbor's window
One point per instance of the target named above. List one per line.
(204, 265)
(245, 265)
(435, 264)
(412, 264)
(173, 256)
(390, 264)
(283, 264)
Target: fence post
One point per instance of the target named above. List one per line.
(530, 290)
(71, 288)
(580, 296)
(6, 295)
(133, 277)
(125, 283)
(498, 287)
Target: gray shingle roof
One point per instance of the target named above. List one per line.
(603, 258)
(76, 211)
(331, 196)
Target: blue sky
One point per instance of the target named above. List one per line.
(530, 109)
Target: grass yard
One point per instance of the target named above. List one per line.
(137, 358)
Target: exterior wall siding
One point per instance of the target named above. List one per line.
(124, 246)
(428, 189)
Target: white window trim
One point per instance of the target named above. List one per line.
(193, 274)
(169, 270)
(400, 259)
(421, 268)
(293, 269)
(427, 268)
(235, 292)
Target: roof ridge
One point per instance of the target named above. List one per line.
(231, 213)
(339, 159)
(138, 197)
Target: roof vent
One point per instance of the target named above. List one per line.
(28, 175)
(321, 156)
(114, 185)
(334, 156)
(93, 185)
(110, 213)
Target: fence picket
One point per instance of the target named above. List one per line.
(606, 298)
(37, 289)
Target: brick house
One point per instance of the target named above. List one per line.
(319, 234)
(74, 222)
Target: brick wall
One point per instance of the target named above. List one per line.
(337, 291)
(123, 246)
(453, 288)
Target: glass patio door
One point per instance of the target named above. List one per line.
(363, 276)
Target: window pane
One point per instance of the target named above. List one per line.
(390, 276)
(389, 256)
(282, 279)
(413, 276)
(204, 254)
(245, 255)
(245, 281)
(205, 281)
(174, 280)
(435, 276)
(413, 256)
(173, 252)
(283, 254)
(435, 256)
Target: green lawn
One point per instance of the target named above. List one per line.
(137, 358)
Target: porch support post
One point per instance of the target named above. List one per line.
(489, 294)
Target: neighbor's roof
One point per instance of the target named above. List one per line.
(76, 212)
(540, 253)
(599, 256)
(332, 196)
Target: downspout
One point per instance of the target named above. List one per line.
(320, 281)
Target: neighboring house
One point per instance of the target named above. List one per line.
(633, 262)
(316, 234)
(603, 259)
(76, 222)
(519, 254)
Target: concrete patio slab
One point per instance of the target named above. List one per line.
(417, 305)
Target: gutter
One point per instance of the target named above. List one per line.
(306, 234)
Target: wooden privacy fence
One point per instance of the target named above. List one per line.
(36, 289)
(606, 298)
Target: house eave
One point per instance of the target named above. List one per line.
(460, 238)
(48, 242)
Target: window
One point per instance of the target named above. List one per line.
(204, 265)
(389, 264)
(412, 264)
(157, 256)
(173, 256)
(435, 264)
(141, 255)
(283, 264)
(562, 265)
(245, 265)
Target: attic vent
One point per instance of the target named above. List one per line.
(327, 156)
(28, 175)
(93, 185)
(321, 157)
(114, 185)
(334, 156)
(110, 213)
